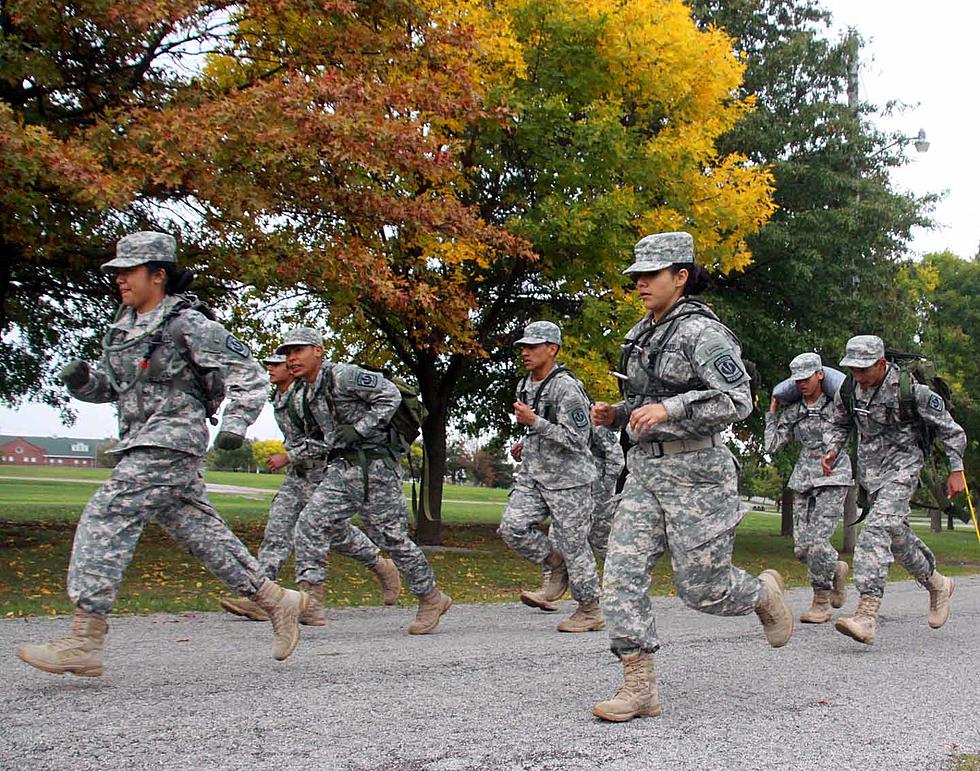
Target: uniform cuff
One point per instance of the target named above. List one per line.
(675, 407)
(234, 425)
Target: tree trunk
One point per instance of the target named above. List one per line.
(935, 521)
(429, 522)
(786, 523)
(850, 516)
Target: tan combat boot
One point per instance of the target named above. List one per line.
(284, 607)
(773, 611)
(243, 607)
(820, 611)
(940, 598)
(864, 623)
(391, 582)
(838, 595)
(555, 584)
(638, 695)
(314, 614)
(586, 618)
(431, 608)
(80, 653)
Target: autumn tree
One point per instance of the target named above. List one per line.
(263, 449)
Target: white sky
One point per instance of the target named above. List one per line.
(923, 54)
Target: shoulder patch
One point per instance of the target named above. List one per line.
(729, 369)
(936, 403)
(366, 380)
(235, 345)
(579, 418)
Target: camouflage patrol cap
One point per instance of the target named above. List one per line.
(300, 336)
(140, 248)
(540, 332)
(661, 250)
(863, 351)
(805, 365)
(274, 358)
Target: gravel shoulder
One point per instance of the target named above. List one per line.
(498, 688)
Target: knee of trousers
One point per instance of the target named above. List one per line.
(801, 552)
(703, 595)
(512, 533)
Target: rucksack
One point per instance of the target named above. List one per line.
(405, 425)
(913, 369)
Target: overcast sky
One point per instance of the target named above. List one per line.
(923, 54)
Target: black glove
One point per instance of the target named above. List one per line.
(346, 434)
(75, 374)
(226, 440)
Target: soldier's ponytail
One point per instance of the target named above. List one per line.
(178, 280)
(698, 278)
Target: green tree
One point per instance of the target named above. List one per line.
(827, 264)
(241, 459)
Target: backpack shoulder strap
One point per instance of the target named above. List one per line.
(551, 376)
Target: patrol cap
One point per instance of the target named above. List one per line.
(661, 250)
(804, 365)
(140, 248)
(863, 351)
(274, 358)
(300, 336)
(540, 332)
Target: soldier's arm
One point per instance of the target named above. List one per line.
(778, 431)
(308, 448)
(949, 433)
(727, 396)
(212, 347)
(379, 394)
(574, 422)
(95, 390)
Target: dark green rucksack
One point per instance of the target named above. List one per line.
(913, 369)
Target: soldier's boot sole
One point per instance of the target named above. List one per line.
(535, 600)
(607, 713)
(811, 617)
(234, 606)
(855, 631)
(79, 670)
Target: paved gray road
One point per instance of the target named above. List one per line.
(498, 688)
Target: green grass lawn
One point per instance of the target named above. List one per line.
(37, 521)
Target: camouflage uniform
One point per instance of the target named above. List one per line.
(818, 500)
(609, 463)
(555, 479)
(163, 437)
(889, 459)
(361, 478)
(307, 466)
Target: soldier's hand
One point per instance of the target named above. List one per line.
(646, 417)
(524, 414)
(75, 374)
(603, 414)
(517, 450)
(277, 461)
(346, 434)
(226, 440)
(956, 484)
(774, 404)
(827, 462)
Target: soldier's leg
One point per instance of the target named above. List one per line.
(802, 503)
(707, 581)
(603, 499)
(385, 518)
(141, 485)
(571, 520)
(280, 529)
(887, 535)
(525, 511)
(637, 540)
(828, 507)
(325, 520)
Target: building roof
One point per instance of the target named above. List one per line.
(60, 446)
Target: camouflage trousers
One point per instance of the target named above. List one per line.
(604, 507)
(384, 517)
(688, 502)
(280, 531)
(571, 520)
(815, 516)
(887, 537)
(152, 483)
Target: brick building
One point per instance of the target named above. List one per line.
(48, 451)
